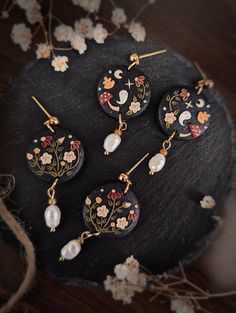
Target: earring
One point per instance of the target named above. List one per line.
(55, 156)
(108, 209)
(184, 113)
(124, 93)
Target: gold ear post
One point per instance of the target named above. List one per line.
(124, 177)
(205, 82)
(52, 120)
(135, 58)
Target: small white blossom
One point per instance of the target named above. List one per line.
(137, 31)
(121, 271)
(21, 35)
(26, 4)
(78, 43)
(182, 306)
(118, 16)
(99, 33)
(84, 27)
(34, 14)
(60, 63)
(63, 33)
(91, 6)
(43, 51)
(207, 202)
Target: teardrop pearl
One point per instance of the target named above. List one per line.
(70, 250)
(156, 163)
(111, 142)
(52, 216)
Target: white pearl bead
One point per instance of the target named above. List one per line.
(111, 142)
(52, 216)
(156, 163)
(70, 250)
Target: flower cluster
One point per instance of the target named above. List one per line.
(128, 280)
(76, 35)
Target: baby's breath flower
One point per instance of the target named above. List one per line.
(21, 35)
(84, 27)
(78, 43)
(99, 33)
(63, 33)
(118, 16)
(34, 14)
(91, 6)
(182, 306)
(137, 31)
(207, 202)
(60, 63)
(43, 51)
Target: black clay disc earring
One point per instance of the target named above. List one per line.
(55, 156)
(110, 209)
(124, 93)
(184, 113)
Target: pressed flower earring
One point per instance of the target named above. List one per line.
(124, 93)
(55, 155)
(184, 113)
(109, 209)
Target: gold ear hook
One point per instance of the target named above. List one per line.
(124, 177)
(52, 120)
(205, 82)
(135, 58)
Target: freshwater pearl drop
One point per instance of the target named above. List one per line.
(52, 216)
(70, 250)
(111, 142)
(156, 163)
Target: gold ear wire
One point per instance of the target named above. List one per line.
(135, 58)
(205, 82)
(124, 177)
(52, 120)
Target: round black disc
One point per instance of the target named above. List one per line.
(123, 91)
(55, 155)
(108, 210)
(183, 110)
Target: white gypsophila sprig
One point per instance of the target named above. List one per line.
(60, 63)
(63, 33)
(207, 202)
(34, 14)
(21, 35)
(91, 6)
(137, 31)
(43, 51)
(118, 16)
(127, 281)
(99, 33)
(27, 4)
(84, 27)
(78, 43)
(182, 306)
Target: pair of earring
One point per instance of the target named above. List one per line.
(124, 93)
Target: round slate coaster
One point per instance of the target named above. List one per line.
(171, 225)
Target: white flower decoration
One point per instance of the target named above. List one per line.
(27, 4)
(91, 6)
(118, 16)
(69, 156)
(29, 156)
(60, 63)
(63, 33)
(182, 306)
(78, 43)
(207, 202)
(43, 51)
(21, 35)
(34, 14)
(84, 27)
(99, 33)
(135, 107)
(121, 223)
(121, 271)
(88, 201)
(102, 211)
(46, 158)
(137, 31)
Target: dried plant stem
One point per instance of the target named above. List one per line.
(140, 11)
(113, 4)
(50, 23)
